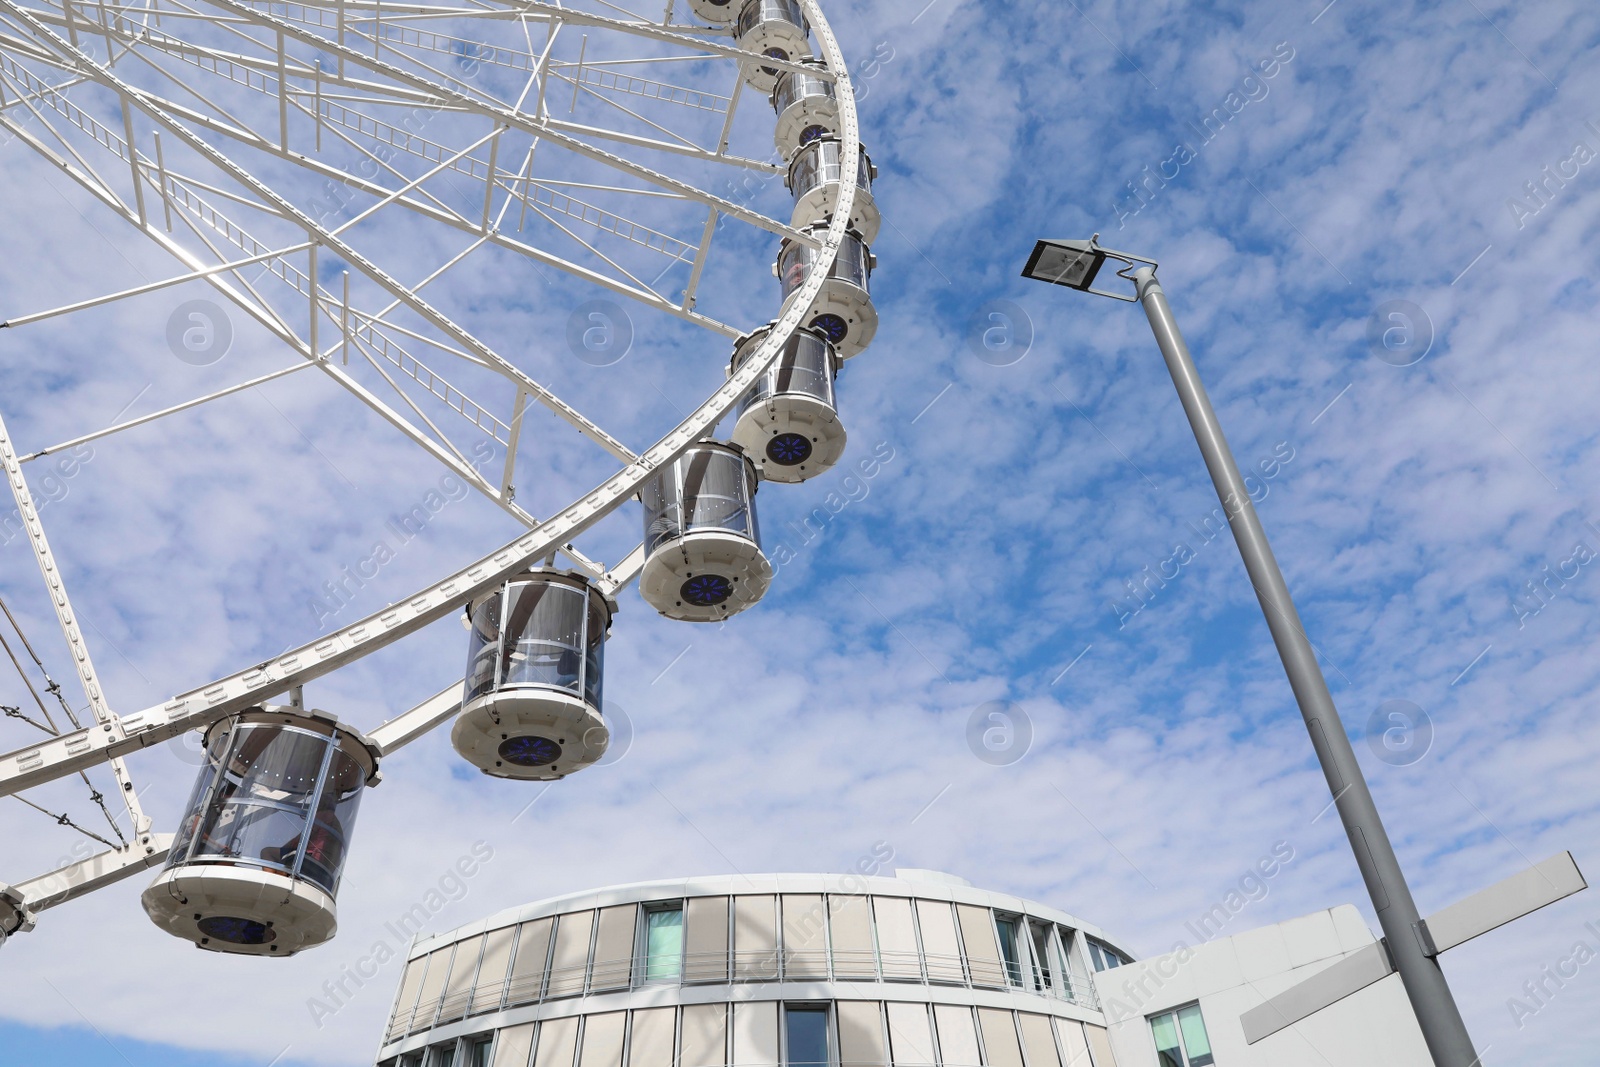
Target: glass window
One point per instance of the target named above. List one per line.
(1105, 958)
(1181, 1039)
(1095, 957)
(663, 949)
(707, 488)
(411, 1059)
(544, 636)
(478, 1052)
(1008, 948)
(1042, 975)
(483, 648)
(806, 1036)
(443, 1056)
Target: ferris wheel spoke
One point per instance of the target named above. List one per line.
(597, 75)
(528, 124)
(415, 145)
(643, 28)
(282, 372)
(67, 618)
(11, 75)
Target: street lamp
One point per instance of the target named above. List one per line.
(1410, 944)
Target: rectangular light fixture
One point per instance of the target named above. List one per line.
(1070, 263)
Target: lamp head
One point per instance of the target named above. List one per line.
(1070, 263)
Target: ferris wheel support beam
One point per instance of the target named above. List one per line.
(67, 754)
(91, 873)
(654, 32)
(164, 412)
(452, 459)
(499, 112)
(77, 647)
(319, 233)
(140, 290)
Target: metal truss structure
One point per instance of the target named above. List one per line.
(204, 123)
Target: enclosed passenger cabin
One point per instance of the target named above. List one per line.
(842, 311)
(716, 12)
(788, 423)
(703, 558)
(807, 108)
(256, 863)
(773, 28)
(813, 181)
(535, 665)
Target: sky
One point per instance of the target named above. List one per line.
(1383, 261)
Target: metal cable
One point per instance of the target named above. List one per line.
(64, 820)
(16, 713)
(53, 688)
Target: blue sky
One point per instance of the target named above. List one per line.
(1386, 159)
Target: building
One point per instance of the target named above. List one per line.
(917, 970)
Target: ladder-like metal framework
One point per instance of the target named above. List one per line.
(275, 149)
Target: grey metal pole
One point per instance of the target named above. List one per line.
(1409, 944)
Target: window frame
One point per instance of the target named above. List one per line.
(1207, 1058)
(642, 941)
(1015, 966)
(830, 1035)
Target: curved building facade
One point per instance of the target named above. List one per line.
(789, 970)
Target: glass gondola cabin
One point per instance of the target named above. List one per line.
(807, 107)
(788, 423)
(843, 311)
(535, 667)
(773, 28)
(703, 558)
(814, 181)
(256, 863)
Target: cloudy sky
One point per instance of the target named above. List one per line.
(1435, 162)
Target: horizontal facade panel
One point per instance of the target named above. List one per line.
(705, 1035)
(557, 1042)
(755, 937)
(513, 1046)
(983, 948)
(492, 972)
(958, 1037)
(850, 928)
(860, 1033)
(613, 948)
(910, 1035)
(1038, 1042)
(705, 939)
(755, 1034)
(569, 961)
(805, 936)
(527, 970)
(999, 1029)
(1099, 1045)
(940, 945)
(458, 987)
(1074, 1045)
(652, 1041)
(602, 1039)
(897, 938)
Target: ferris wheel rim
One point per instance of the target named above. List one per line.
(329, 652)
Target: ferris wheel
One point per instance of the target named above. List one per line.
(282, 153)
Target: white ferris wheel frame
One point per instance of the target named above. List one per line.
(112, 736)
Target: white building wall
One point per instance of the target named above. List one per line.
(1229, 976)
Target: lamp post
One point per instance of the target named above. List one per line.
(1076, 264)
